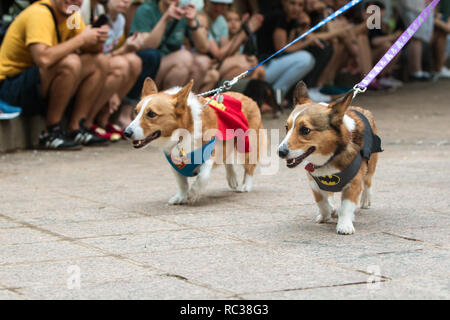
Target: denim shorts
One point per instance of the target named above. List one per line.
(24, 90)
(151, 60)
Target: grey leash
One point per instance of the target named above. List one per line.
(227, 85)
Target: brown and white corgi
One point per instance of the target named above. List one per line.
(338, 146)
(163, 117)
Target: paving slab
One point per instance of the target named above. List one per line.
(61, 273)
(144, 288)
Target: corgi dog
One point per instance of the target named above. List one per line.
(163, 117)
(338, 147)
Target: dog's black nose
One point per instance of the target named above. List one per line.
(128, 133)
(283, 151)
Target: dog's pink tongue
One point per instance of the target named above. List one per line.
(310, 167)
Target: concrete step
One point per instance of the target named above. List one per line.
(20, 133)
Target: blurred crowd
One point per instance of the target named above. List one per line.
(82, 64)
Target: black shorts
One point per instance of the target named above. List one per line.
(24, 90)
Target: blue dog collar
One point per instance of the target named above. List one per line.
(189, 165)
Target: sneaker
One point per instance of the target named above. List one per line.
(444, 74)
(8, 112)
(114, 128)
(317, 96)
(390, 82)
(57, 140)
(102, 133)
(421, 76)
(86, 137)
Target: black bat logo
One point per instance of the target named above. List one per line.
(332, 180)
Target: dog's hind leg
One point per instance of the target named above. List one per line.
(231, 176)
(200, 183)
(366, 196)
(183, 186)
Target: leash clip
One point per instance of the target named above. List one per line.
(358, 89)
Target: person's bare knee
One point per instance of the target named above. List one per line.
(135, 64)
(70, 63)
(175, 69)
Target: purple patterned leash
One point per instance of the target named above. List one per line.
(396, 48)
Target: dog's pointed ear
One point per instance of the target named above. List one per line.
(339, 108)
(149, 87)
(182, 96)
(301, 95)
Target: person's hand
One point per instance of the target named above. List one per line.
(255, 22)
(90, 36)
(313, 40)
(173, 12)
(102, 33)
(397, 34)
(189, 12)
(113, 103)
(133, 43)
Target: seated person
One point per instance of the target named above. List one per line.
(163, 26)
(220, 44)
(244, 57)
(124, 69)
(381, 40)
(288, 68)
(409, 11)
(41, 70)
(441, 34)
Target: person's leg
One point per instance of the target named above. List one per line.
(175, 69)
(135, 69)
(115, 80)
(439, 48)
(150, 61)
(286, 71)
(259, 74)
(334, 65)
(199, 70)
(233, 66)
(365, 54)
(94, 68)
(211, 79)
(322, 56)
(58, 84)
(415, 49)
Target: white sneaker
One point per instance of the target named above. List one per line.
(390, 82)
(317, 96)
(445, 73)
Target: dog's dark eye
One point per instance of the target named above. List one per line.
(151, 114)
(287, 128)
(304, 130)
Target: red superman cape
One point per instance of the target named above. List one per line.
(230, 116)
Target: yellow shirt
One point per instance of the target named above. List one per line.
(33, 25)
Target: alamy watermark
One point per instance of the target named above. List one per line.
(74, 20)
(74, 277)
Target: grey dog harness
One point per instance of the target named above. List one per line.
(337, 181)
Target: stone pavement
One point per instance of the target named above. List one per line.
(95, 224)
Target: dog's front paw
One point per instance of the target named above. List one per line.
(246, 186)
(193, 196)
(345, 227)
(322, 219)
(178, 199)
